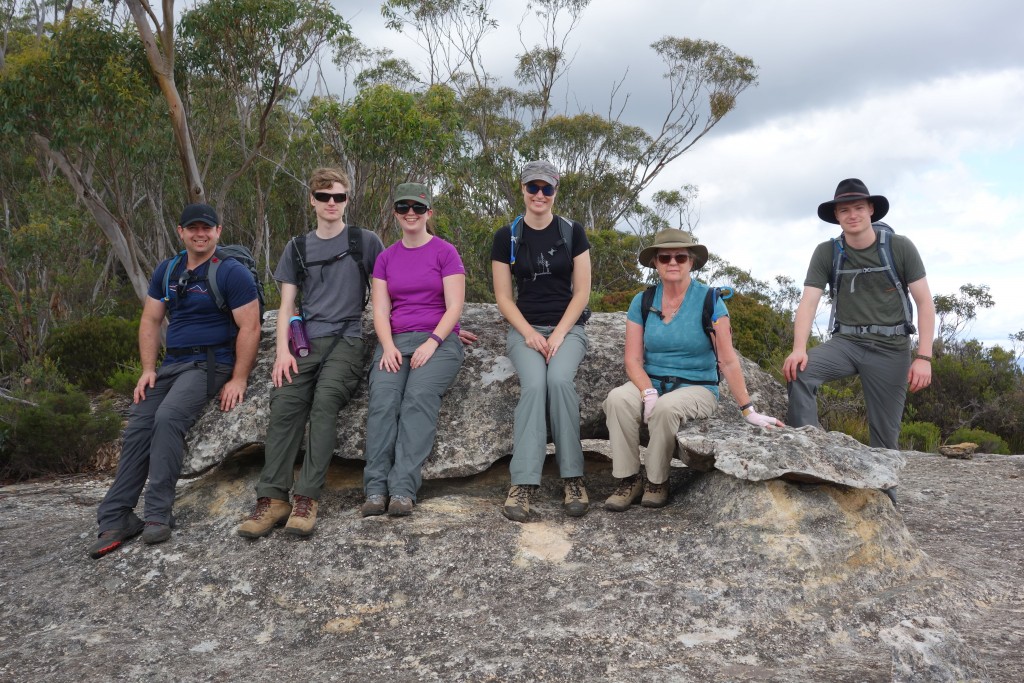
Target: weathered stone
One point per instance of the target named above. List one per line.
(962, 451)
(475, 424)
(733, 580)
(927, 650)
(806, 454)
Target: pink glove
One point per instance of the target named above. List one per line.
(650, 398)
(758, 420)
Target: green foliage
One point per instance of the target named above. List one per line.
(987, 441)
(124, 379)
(90, 350)
(50, 428)
(920, 436)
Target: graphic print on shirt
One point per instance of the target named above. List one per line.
(543, 264)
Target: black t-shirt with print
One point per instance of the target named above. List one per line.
(543, 269)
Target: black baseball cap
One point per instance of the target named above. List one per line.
(199, 213)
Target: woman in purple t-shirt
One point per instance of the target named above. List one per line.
(419, 287)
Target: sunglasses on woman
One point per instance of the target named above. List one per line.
(665, 259)
(534, 188)
(418, 209)
(324, 197)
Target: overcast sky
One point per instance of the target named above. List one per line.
(924, 101)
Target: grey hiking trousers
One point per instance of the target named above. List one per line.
(883, 374)
(153, 447)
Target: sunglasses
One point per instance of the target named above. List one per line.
(665, 259)
(534, 188)
(418, 209)
(338, 197)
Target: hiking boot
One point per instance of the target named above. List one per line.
(626, 493)
(268, 513)
(303, 517)
(112, 539)
(576, 502)
(891, 494)
(517, 505)
(375, 504)
(655, 495)
(400, 506)
(156, 532)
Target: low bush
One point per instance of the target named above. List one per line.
(48, 427)
(987, 441)
(920, 436)
(89, 350)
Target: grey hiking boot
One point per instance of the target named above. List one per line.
(576, 501)
(156, 532)
(400, 506)
(517, 505)
(112, 539)
(376, 504)
(627, 492)
(655, 495)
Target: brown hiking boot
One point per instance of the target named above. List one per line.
(517, 505)
(655, 495)
(576, 502)
(626, 493)
(400, 506)
(303, 517)
(268, 513)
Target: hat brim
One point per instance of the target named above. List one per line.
(414, 198)
(827, 210)
(530, 177)
(699, 251)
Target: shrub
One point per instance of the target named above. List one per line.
(89, 351)
(920, 436)
(123, 380)
(987, 441)
(51, 428)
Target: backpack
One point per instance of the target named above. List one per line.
(883, 245)
(355, 250)
(227, 251)
(707, 316)
(564, 228)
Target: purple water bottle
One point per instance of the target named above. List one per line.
(298, 340)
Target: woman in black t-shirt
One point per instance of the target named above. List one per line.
(549, 258)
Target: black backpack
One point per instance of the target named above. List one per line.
(707, 316)
(355, 250)
(227, 251)
(883, 244)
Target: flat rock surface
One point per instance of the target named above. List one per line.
(734, 580)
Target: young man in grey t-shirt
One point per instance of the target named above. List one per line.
(871, 336)
(317, 386)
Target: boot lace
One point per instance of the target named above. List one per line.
(262, 505)
(521, 494)
(303, 506)
(574, 487)
(625, 487)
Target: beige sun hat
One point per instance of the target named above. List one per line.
(673, 238)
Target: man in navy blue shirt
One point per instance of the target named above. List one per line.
(210, 352)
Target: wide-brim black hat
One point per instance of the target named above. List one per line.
(850, 190)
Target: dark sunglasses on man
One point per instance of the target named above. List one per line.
(401, 208)
(324, 197)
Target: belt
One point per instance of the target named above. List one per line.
(883, 330)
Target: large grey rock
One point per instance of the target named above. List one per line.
(475, 424)
(735, 580)
(805, 454)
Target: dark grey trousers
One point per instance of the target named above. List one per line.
(154, 443)
(883, 375)
(402, 414)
